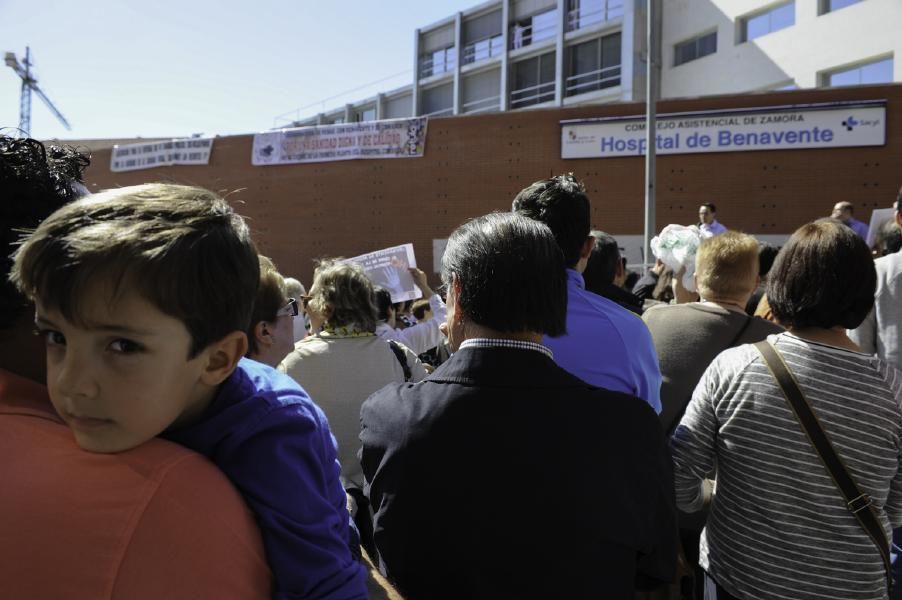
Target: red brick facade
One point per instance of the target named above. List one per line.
(474, 165)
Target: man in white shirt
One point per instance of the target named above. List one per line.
(707, 221)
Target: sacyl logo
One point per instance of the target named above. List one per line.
(850, 123)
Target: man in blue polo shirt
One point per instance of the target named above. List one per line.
(605, 344)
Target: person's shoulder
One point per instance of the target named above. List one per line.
(764, 327)
(889, 265)
(267, 392)
(617, 409)
(609, 309)
(665, 311)
(736, 359)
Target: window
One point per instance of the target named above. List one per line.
(437, 62)
(775, 19)
(880, 71)
(827, 6)
(534, 29)
(583, 13)
(368, 114)
(594, 65)
(697, 47)
(533, 81)
(437, 101)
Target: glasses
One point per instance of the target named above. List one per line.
(290, 309)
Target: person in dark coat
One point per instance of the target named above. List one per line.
(501, 475)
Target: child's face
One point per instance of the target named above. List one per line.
(124, 375)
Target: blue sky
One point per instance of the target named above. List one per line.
(174, 68)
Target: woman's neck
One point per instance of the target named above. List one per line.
(835, 336)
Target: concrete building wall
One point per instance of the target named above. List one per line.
(476, 164)
(797, 54)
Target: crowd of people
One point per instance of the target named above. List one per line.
(178, 419)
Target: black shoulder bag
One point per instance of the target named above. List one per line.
(402, 358)
(858, 503)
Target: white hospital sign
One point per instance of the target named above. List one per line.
(734, 130)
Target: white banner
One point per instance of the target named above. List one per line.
(740, 130)
(395, 138)
(390, 268)
(185, 151)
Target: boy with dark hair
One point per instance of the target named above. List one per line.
(143, 295)
(604, 344)
(80, 525)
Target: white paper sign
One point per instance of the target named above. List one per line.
(395, 138)
(186, 151)
(879, 217)
(389, 268)
(740, 130)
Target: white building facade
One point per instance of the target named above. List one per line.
(521, 54)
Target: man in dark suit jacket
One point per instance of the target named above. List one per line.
(501, 475)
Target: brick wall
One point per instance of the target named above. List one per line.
(474, 165)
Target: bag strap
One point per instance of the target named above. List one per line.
(402, 358)
(858, 503)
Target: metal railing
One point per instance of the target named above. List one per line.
(601, 11)
(593, 80)
(440, 113)
(482, 105)
(535, 94)
(429, 66)
(526, 35)
(482, 49)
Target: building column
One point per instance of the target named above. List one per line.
(349, 112)
(504, 84)
(458, 56)
(631, 46)
(380, 101)
(415, 86)
(559, 75)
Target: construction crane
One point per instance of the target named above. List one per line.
(29, 85)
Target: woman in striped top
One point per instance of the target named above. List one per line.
(778, 527)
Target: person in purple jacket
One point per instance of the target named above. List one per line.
(143, 295)
(605, 344)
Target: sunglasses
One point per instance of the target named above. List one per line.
(290, 309)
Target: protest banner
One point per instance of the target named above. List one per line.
(389, 268)
(186, 151)
(395, 138)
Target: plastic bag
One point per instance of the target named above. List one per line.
(677, 246)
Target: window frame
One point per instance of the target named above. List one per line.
(826, 76)
(695, 40)
(743, 21)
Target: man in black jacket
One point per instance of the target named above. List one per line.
(501, 475)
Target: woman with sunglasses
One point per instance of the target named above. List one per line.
(270, 336)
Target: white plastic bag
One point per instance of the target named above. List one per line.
(677, 246)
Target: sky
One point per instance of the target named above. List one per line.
(124, 68)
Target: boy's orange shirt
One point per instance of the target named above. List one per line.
(158, 521)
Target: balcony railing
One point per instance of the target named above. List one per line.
(598, 79)
(535, 94)
(440, 113)
(438, 62)
(595, 13)
(540, 27)
(482, 105)
(482, 49)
